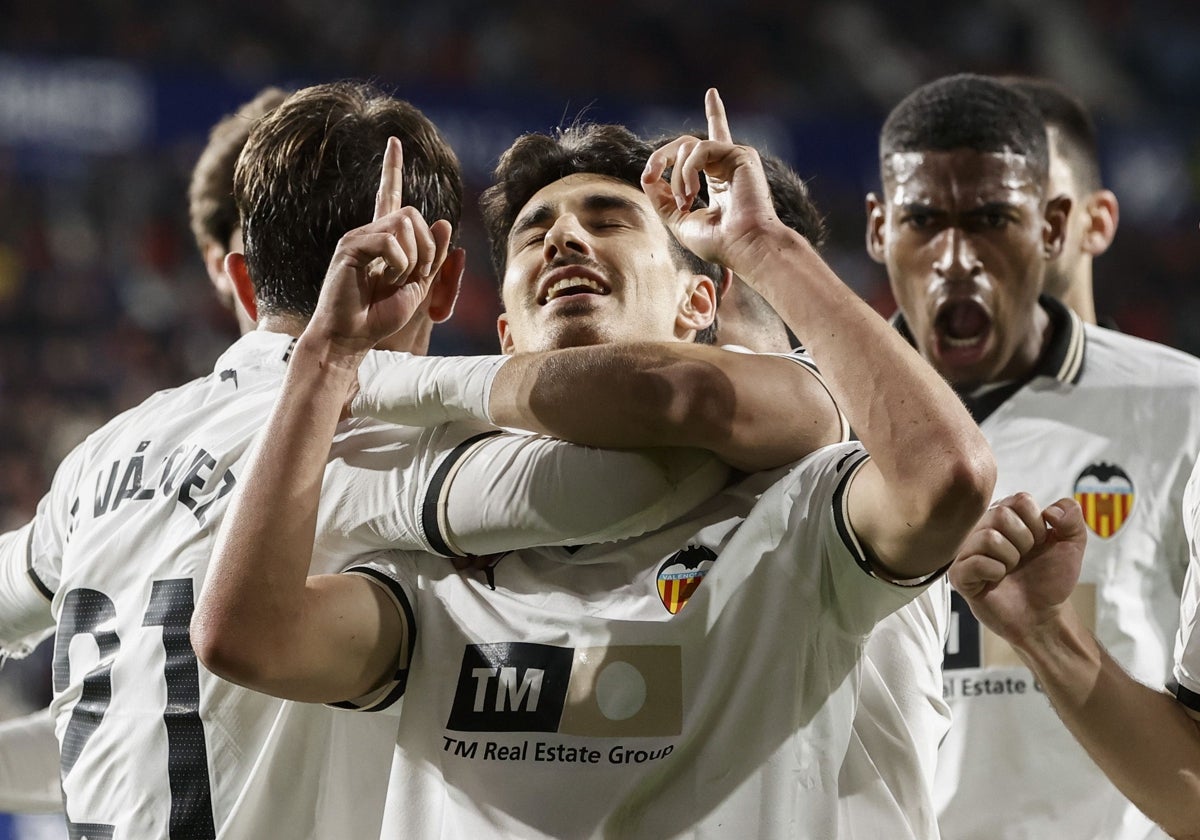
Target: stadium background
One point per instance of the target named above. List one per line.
(104, 107)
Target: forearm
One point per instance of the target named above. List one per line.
(753, 412)
(1142, 739)
(930, 456)
(29, 772)
(255, 591)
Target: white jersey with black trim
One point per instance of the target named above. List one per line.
(885, 786)
(699, 681)
(152, 744)
(1110, 420)
(1187, 643)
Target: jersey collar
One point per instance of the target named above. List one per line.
(1061, 360)
(260, 348)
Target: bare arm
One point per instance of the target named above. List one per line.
(1016, 574)
(754, 412)
(931, 472)
(261, 621)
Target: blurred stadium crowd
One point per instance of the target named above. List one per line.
(103, 298)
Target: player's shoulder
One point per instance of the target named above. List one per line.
(1115, 356)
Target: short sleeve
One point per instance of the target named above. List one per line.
(389, 572)
(510, 491)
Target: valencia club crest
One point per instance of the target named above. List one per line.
(1105, 493)
(679, 576)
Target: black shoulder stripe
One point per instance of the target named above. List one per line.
(430, 521)
(38, 583)
(401, 676)
(1188, 698)
(840, 518)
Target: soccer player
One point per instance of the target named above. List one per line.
(1017, 572)
(965, 226)
(118, 548)
(29, 763)
(886, 780)
(701, 678)
(1075, 173)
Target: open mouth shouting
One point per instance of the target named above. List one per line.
(961, 329)
(571, 281)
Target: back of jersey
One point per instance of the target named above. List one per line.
(152, 744)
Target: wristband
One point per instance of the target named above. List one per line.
(424, 390)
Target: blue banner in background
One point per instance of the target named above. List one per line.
(51, 110)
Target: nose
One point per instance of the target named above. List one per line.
(956, 257)
(565, 236)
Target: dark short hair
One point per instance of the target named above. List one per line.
(1064, 112)
(793, 204)
(536, 160)
(211, 208)
(967, 111)
(310, 172)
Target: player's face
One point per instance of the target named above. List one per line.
(589, 262)
(965, 240)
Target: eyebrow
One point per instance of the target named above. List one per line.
(987, 207)
(593, 203)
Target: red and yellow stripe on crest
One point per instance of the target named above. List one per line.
(675, 590)
(1105, 513)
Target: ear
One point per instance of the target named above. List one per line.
(214, 263)
(699, 307)
(443, 292)
(1055, 226)
(1103, 214)
(876, 219)
(243, 286)
(506, 340)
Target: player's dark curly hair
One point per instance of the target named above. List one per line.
(310, 172)
(1076, 131)
(536, 160)
(966, 111)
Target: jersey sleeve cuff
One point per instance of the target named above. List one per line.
(850, 539)
(388, 694)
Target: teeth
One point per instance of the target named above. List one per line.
(963, 342)
(572, 283)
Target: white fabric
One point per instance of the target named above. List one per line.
(558, 696)
(24, 610)
(886, 782)
(29, 765)
(425, 390)
(1009, 768)
(123, 540)
(1187, 643)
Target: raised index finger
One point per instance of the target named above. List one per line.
(718, 123)
(390, 197)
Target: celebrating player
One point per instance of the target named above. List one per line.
(118, 547)
(29, 763)
(675, 682)
(1017, 571)
(966, 226)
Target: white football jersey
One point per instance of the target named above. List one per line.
(1110, 420)
(699, 681)
(152, 744)
(1187, 643)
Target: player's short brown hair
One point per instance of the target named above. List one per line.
(211, 208)
(310, 172)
